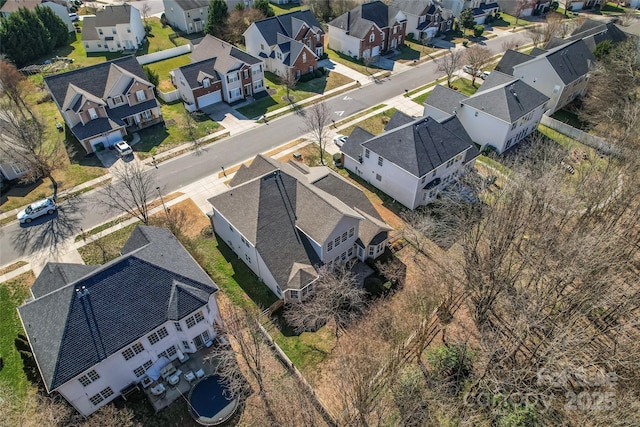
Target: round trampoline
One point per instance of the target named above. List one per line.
(209, 404)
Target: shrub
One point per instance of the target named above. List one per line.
(337, 157)
(374, 286)
(317, 73)
(410, 36)
(465, 43)
(163, 19)
(478, 30)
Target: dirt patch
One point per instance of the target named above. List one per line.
(191, 219)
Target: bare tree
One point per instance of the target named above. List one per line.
(316, 122)
(22, 131)
(289, 80)
(130, 190)
(336, 298)
(477, 57)
(191, 127)
(449, 64)
(537, 35)
(239, 21)
(511, 44)
(146, 8)
(519, 7)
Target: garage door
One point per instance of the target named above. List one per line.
(114, 137)
(375, 51)
(209, 99)
(101, 140)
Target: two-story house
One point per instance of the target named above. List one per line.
(96, 329)
(481, 8)
(368, 30)
(591, 32)
(500, 114)
(285, 220)
(219, 72)
(413, 159)
(58, 7)
(190, 16)
(560, 73)
(291, 42)
(425, 18)
(113, 29)
(101, 103)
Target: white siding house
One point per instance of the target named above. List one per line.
(96, 330)
(113, 29)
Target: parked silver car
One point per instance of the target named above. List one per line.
(37, 209)
(123, 149)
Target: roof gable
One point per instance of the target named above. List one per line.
(510, 59)
(56, 275)
(286, 24)
(112, 15)
(228, 56)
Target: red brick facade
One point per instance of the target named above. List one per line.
(215, 86)
(389, 41)
(300, 66)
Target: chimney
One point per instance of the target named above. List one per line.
(348, 21)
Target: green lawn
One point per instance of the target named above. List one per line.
(354, 64)
(461, 85)
(163, 68)
(611, 9)
(286, 8)
(507, 20)
(307, 349)
(303, 90)
(374, 124)
(414, 51)
(12, 294)
(157, 139)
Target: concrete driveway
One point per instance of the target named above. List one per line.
(227, 116)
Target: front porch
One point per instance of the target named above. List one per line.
(144, 123)
(197, 361)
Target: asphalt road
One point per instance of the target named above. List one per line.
(44, 236)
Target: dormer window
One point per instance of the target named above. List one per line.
(117, 100)
(93, 114)
(279, 55)
(206, 83)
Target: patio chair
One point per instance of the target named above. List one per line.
(199, 373)
(158, 389)
(189, 376)
(175, 378)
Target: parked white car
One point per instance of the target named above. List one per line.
(123, 149)
(35, 210)
(339, 140)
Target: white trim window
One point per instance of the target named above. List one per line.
(89, 377)
(194, 320)
(18, 169)
(258, 84)
(130, 352)
(92, 113)
(232, 78)
(235, 93)
(206, 83)
(372, 38)
(140, 95)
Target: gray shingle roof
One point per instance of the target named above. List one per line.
(285, 24)
(89, 31)
(192, 4)
(290, 48)
(229, 57)
(192, 72)
(445, 99)
(55, 275)
(352, 146)
(507, 101)
(510, 59)
(418, 147)
(570, 61)
(112, 15)
(95, 127)
(125, 299)
(358, 20)
(414, 7)
(398, 119)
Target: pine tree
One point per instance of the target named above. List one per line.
(217, 19)
(58, 30)
(265, 7)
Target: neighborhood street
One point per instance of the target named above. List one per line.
(45, 235)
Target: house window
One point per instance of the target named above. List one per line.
(95, 399)
(247, 258)
(336, 241)
(206, 83)
(372, 37)
(513, 126)
(335, 261)
(379, 177)
(117, 100)
(178, 326)
(344, 236)
(128, 30)
(146, 114)
(90, 377)
(171, 351)
(257, 84)
(234, 93)
(297, 74)
(380, 160)
(106, 392)
(113, 31)
(343, 256)
(188, 14)
(261, 46)
(140, 95)
(311, 68)
(84, 380)
(366, 152)
(304, 57)
(352, 231)
(371, 249)
(382, 35)
(395, 30)
(330, 245)
(305, 291)
(196, 318)
(245, 74)
(99, 32)
(93, 375)
(128, 354)
(18, 168)
(293, 294)
(137, 348)
(350, 252)
(93, 114)
(185, 345)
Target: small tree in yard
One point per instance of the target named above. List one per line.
(289, 80)
(316, 122)
(265, 7)
(478, 30)
(477, 57)
(130, 190)
(465, 20)
(449, 64)
(336, 297)
(520, 6)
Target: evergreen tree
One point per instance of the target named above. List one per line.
(217, 19)
(58, 30)
(265, 7)
(24, 37)
(465, 20)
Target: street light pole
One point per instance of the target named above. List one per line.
(166, 211)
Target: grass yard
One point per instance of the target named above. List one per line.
(611, 9)
(157, 139)
(163, 68)
(413, 51)
(12, 294)
(303, 90)
(507, 20)
(354, 64)
(307, 349)
(280, 9)
(374, 124)
(461, 85)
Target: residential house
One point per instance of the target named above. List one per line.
(190, 16)
(219, 72)
(285, 220)
(592, 32)
(11, 168)
(103, 102)
(291, 42)
(560, 73)
(368, 30)
(521, 8)
(481, 8)
(59, 8)
(500, 114)
(425, 18)
(583, 4)
(97, 329)
(413, 159)
(113, 29)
